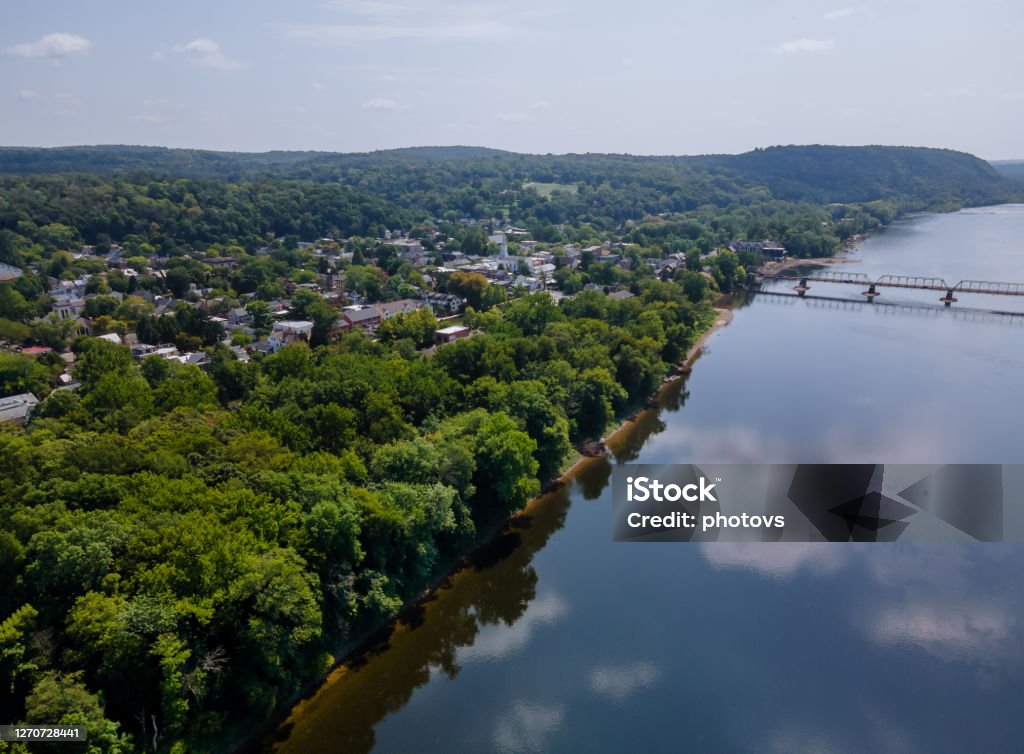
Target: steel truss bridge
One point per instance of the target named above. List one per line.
(917, 282)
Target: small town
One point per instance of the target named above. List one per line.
(179, 308)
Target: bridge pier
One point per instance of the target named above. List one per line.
(802, 288)
(871, 293)
(949, 298)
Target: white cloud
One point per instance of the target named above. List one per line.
(317, 86)
(339, 34)
(26, 95)
(836, 15)
(52, 46)
(616, 682)
(206, 53)
(372, 8)
(151, 119)
(425, 20)
(798, 46)
(541, 105)
(962, 91)
(513, 117)
(382, 103)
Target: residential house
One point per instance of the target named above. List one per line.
(445, 303)
(69, 307)
(450, 334)
(530, 284)
(239, 317)
(221, 263)
(362, 318)
(291, 331)
(402, 306)
(16, 408)
(7, 272)
(766, 248)
(410, 250)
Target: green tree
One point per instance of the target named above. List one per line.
(178, 282)
(506, 470)
(594, 400)
(65, 700)
(22, 374)
(470, 286)
(259, 310)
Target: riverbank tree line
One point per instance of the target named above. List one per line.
(180, 551)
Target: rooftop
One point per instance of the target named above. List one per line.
(16, 407)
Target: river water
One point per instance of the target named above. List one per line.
(557, 639)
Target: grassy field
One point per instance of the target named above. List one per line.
(547, 189)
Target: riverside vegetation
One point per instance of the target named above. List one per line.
(181, 550)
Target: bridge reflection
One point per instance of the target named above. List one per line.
(889, 308)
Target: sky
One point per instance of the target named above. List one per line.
(540, 76)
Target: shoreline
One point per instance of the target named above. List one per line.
(262, 740)
(723, 318)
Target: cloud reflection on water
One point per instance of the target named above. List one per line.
(617, 682)
(937, 598)
(501, 641)
(527, 727)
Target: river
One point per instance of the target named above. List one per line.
(557, 639)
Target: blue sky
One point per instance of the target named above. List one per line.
(645, 77)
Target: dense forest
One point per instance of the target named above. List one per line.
(176, 201)
(181, 550)
(417, 177)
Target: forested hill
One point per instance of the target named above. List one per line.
(1012, 169)
(861, 174)
(918, 177)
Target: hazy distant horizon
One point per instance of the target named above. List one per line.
(471, 146)
(538, 77)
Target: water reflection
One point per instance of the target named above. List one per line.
(498, 641)
(484, 612)
(527, 727)
(618, 682)
(777, 561)
(957, 602)
(588, 645)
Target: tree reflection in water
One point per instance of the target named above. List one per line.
(495, 587)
